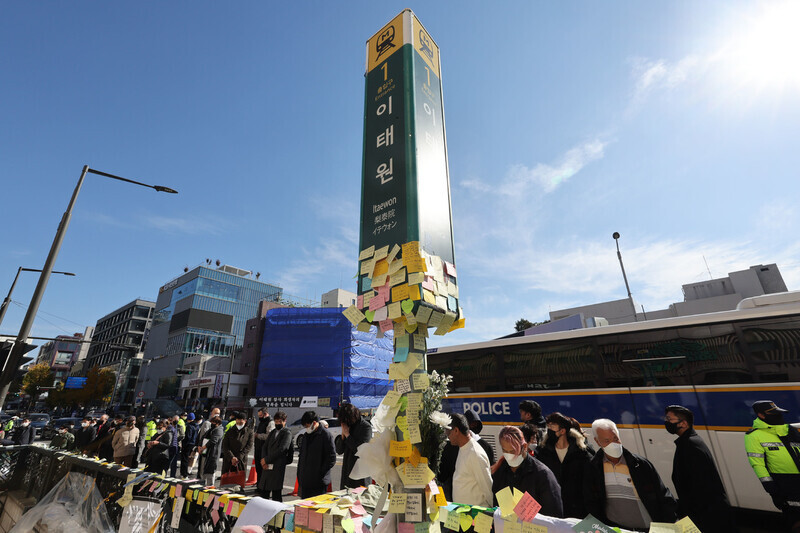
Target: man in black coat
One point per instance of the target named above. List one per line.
(85, 435)
(701, 494)
(276, 453)
(23, 434)
(211, 449)
(622, 488)
(264, 425)
(317, 457)
(355, 432)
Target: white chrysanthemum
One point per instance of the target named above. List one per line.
(443, 419)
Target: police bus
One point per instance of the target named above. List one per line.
(715, 364)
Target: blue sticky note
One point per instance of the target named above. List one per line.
(452, 303)
(400, 354)
(366, 284)
(289, 521)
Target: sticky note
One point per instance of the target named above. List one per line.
(400, 293)
(400, 448)
(441, 501)
(393, 253)
(419, 343)
(530, 527)
(512, 526)
(366, 253)
(367, 267)
(403, 385)
(506, 501)
(394, 310)
(300, 516)
(400, 354)
(405, 527)
(385, 325)
(370, 315)
(353, 315)
(414, 434)
(315, 521)
(465, 521)
(397, 278)
(527, 508)
(421, 381)
(687, 526)
(422, 527)
(347, 525)
(483, 523)
(416, 278)
(415, 477)
(452, 521)
(411, 249)
(391, 398)
(407, 306)
(413, 292)
(397, 503)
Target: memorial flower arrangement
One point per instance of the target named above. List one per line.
(433, 436)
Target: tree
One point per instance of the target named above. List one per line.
(99, 384)
(38, 377)
(523, 324)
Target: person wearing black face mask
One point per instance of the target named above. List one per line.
(701, 494)
(773, 449)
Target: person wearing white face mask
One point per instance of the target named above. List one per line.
(237, 445)
(525, 473)
(317, 457)
(621, 488)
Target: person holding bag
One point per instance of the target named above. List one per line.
(210, 449)
(236, 447)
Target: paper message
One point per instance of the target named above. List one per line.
(381, 314)
(400, 448)
(483, 523)
(395, 310)
(397, 278)
(422, 527)
(348, 525)
(663, 527)
(397, 503)
(366, 253)
(300, 516)
(414, 401)
(687, 526)
(590, 524)
(367, 267)
(527, 508)
(415, 477)
(403, 385)
(400, 293)
(408, 306)
(413, 292)
(451, 522)
(424, 314)
(414, 508)
(393, 253)
(405, 527)
(421, 381)
(327, 523)
(176, 513)
(400, 354)
(381, 268)
(511, 526)
(404, 369)
(441, 501)
(507, 500)
(353, 315)
(465, 521)
(416, 278)
(315, 520)
(385, 325)
(530, 527)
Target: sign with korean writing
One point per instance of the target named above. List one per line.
(405, 182)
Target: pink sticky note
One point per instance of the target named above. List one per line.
(215, 516)
(300, 516)
(315, 521)
(527, 508)
(360, 303)
(433, 488)
(386, 325)
(405, 527)
(450, 269)
(359, 490)
(358, 509)
(178, 490)
(357, 523)
(153, 486)
(428, 284)
(210, 500)
(383, 293)
(376, 303)
(229, 507)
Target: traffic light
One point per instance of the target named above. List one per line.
(183, 371)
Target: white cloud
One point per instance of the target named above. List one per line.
(546, 177)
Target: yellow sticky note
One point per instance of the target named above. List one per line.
(687, 526)
(397, 277)
(381, 267)
(530, 527)
(411, 249)
(400, 448)
(400, 293)
(393, 253)
(366, 253)
(413, 291)
(465, 521)
(172, 491)
(367, 267)
(363, 326)
(380, 253)
(416, 278)
(506, 501)
(512, 526)
(353, 315)
(391, 398)
(429, 297)
(415, 265)
(483, 523)
(452, 521)
(394, 310)
(441, 501)
(420, 381)
(397, 503)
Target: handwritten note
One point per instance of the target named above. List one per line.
(414, 508)
(397, 503)
(400, 293)
(590, 524)
(507, 499)
(393, 253)
(400, 448)
(424, 314)
(451, 522)
(366, 253)
(530, 527)
(421, 381)
(353, 315)
(403, 385)
(415, 477)
(527, 508)
(512, 526)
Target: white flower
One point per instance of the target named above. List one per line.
(443, 419)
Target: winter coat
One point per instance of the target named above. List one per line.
(447, 468)
(213, 449)
(124, 441)
(84, 437)
(23, 435)
(360, 433)
(236, 443)
(569, 474)
(657, 498)
(157, 456)
(273, 451)
(262, 430)
(317, 457)
(190, 437)
(701, 494)
(65, 441)
(534, 478)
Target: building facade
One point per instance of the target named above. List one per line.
(119, 341)
(60, 355)
(338, 298)
(199, 327)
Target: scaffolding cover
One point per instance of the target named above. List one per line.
(307, 351)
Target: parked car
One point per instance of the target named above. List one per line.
(298, 431)
(50, 429)
(38, 422)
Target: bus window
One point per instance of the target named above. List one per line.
(550, 367)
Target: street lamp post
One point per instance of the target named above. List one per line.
(7, 301)
(18, 350)
(625, 277)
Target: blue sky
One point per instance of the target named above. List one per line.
(673, 123)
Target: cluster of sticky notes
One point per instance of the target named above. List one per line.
(328, 514)
(405, 289)
(684, 525)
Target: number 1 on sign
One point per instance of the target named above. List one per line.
(385, 68)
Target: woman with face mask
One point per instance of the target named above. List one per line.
(525, 473)
(276, 452)
(236, 445)
(564, 451)
(157, 452)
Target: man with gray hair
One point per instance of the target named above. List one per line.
(621, 488)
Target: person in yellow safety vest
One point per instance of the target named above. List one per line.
(182, 424)
(231, 423)
(773, 449)
(151, 429)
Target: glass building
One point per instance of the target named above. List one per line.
(200, 317)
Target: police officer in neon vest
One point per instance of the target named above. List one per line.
(773, 449)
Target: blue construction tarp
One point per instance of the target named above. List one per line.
(306, 351)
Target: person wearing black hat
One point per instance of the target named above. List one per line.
(188, 445)
(701, 494)
(475, 427)
(773, 449)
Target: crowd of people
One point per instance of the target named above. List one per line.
(550, 457)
